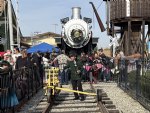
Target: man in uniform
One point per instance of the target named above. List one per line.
(75, 67)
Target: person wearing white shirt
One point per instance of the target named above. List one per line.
(16, 55)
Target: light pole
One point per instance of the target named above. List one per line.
(10, 21)
(55, 25)
(17, 22)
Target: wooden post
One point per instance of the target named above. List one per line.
(128, 38)
(143, 44)
(108, 17)
(113, 33)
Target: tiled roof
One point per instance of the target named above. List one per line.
(50, 34)
(42, 35)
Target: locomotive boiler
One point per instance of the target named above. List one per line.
(76, 33)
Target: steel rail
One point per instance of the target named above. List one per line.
(101, 106)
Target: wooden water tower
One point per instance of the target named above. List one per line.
(130, 20)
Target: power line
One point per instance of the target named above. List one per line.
(99, 5)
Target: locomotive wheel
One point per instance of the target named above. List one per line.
(99, 95)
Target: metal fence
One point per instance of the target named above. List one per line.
(134, 78)
(17, 86)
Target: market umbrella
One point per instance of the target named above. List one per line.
(43, 47)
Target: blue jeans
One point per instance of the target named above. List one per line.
(63, 76)
(66, 76)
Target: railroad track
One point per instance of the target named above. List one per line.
(64, 103)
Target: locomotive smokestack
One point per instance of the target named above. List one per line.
(76, 13)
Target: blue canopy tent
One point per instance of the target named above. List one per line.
(43, 47)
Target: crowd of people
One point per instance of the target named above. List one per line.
(96, 66)
(87, 67)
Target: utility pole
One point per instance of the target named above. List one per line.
(6, 26)
(17, 22)
(11, 41)
(55, 25)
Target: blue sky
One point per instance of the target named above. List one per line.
(40, 15)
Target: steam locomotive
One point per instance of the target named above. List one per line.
(76, 33)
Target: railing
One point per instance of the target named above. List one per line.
(135, 80)
(17, 86)
(6, 89)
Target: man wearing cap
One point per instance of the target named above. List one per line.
(75, 67)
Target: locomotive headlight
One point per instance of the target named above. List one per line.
(77, 35)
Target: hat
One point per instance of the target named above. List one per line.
(6, 63)
(100, 50)
(72, 53)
